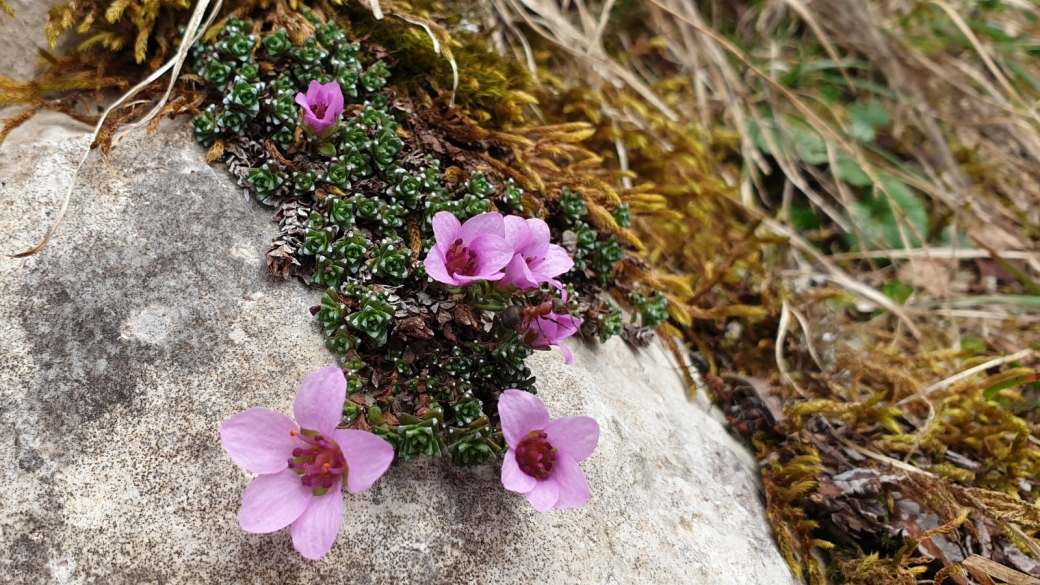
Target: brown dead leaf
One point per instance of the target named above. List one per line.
(464, 316)
(990, 268)
(215, 152)
(993, 236)
(415, 327)
(449, 332)
(931, 276)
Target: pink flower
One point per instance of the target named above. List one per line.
(542, 460)
(322, 104)
(543, 331)
(475, 250)
(536, 260)
(302, 469)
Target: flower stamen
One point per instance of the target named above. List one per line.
(318, 465)
(535, 455)
(460, 259)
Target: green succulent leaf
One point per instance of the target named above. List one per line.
(572, 204)
(277, 44)
(205, 127)
(610, 324)
(265, 180)
(375, 77)
(216, 72)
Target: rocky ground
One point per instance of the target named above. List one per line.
(151, 318)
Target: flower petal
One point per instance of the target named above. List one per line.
(446, 228)
(517, 233)
(518, 274)
(258, 440)
(576, 436)
(315, 531)
(311, 123)
(538, 246)
(568, 325)
(436, 269)
(463, 280)
(513, 479)
(568, 357)
(319, 401)
(574, 488)
(367, 455)
(273, 501)
(318, 125)
(313, 92)
(555, 263)
(333, 98)
(485, 223)
(301, 100)
(493, 253)
(544, 495)
(521, 412)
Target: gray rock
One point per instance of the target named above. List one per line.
(22, 36)
(150, 319)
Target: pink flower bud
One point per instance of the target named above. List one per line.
(322, 105)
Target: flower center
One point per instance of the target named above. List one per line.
(460, 259)
(536, 456)
(318, 464)
(318, 109)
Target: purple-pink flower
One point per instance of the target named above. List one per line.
(322, 105)
(467, 252)
(302, 468)
(535, 260)
(543, 456)
(545, 328)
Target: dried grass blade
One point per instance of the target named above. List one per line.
(837, 275)
(877, 456)
(974, 40)
(808, 17)
(804, 322)
(377, 10)
(781, 334)
(547, 20)
(967, 374)
(191, 34)
(437, 50)
(995, 569)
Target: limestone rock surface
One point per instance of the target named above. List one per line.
(150, 319)
(22, 36)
